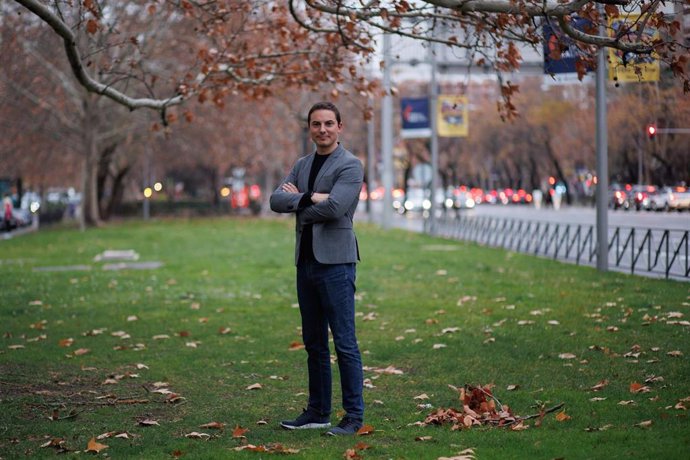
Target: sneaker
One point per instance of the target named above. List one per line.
(347, 427)
(307, 420)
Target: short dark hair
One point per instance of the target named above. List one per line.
(324, 105)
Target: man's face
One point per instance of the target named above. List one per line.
(324, 129)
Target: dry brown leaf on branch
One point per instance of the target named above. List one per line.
(94, 446)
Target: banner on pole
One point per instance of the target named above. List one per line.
(561, 55)
(453, 116)
(416, 122)
(632, 67)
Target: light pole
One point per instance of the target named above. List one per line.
(433, 94)
(602, 161)
(387, 135)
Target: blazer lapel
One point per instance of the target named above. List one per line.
(329, 164)
(303, 175)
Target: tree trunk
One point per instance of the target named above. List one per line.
(117, 192)
(90, 215)
(559, 171)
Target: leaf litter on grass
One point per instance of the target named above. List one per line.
(481, 408)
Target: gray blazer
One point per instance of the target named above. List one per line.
(341, 176)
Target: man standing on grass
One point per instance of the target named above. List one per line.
(323, 191)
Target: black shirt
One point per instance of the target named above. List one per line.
(306, 249)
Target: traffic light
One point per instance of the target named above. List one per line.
(651, 131)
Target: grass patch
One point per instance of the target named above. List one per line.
(219, 317)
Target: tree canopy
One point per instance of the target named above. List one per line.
(158, 53)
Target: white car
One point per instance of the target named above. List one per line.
(660, 200)
(680, 200)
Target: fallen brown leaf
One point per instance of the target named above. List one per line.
(519, 426)
(239, 432)
(365, 430)
(467, 454)
(197, 435)
(213, 425)
(351, 454)
(148, 422)
(94, 446)
(562, 416)
(639, 388)
(600, 386)
(296, 346)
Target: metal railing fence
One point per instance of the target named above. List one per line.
(636, 250)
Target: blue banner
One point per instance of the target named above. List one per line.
(415, 117)
(560, 51)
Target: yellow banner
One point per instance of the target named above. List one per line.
(631, 67)
(453, 116)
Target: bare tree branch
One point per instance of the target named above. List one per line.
(77, 65)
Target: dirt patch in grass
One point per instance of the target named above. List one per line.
(60, 395)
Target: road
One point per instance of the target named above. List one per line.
(568, 215)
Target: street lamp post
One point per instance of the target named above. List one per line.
(602, 161)
(387, 135)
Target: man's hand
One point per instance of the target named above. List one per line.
(318, 197)
(289, 187)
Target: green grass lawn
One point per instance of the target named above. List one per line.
(83, 353)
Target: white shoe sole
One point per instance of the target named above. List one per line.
(308, 426)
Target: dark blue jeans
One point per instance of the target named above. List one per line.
(326, 294)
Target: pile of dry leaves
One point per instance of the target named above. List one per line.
(480, 407)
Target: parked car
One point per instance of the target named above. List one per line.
(462, 199)
(416, 200)
(680, 199)
(617, 197)
(638, 197)
(661, 199)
